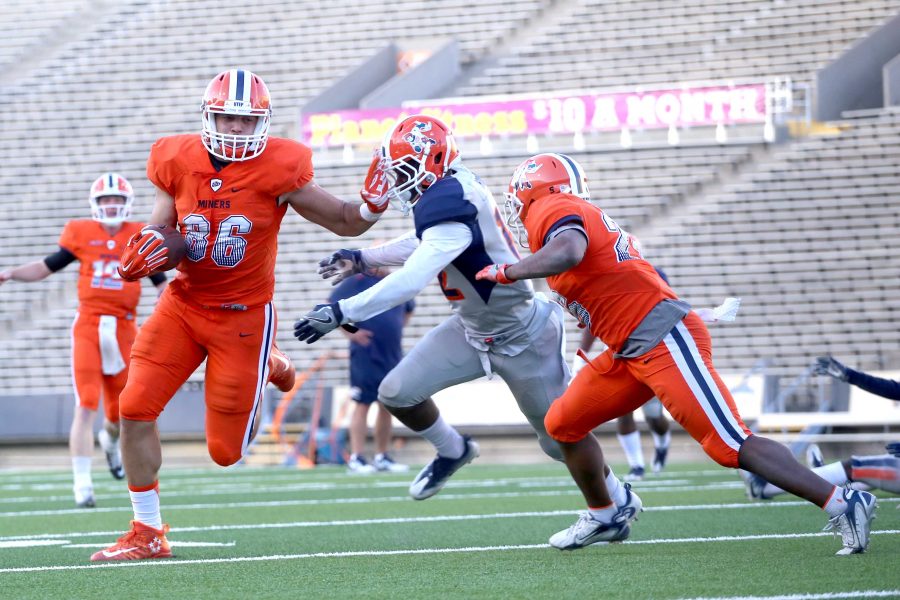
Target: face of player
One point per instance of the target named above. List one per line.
(110, 201)
(236, 124)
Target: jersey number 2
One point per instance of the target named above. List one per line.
(229, 246)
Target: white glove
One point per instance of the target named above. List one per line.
(725, 312)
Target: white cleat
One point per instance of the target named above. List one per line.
(383, 462)
(432, 478)
(113, 454)
(358, 465)
(587, 531)
(855, 522)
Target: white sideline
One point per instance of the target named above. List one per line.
(274, 557)
(404, 520)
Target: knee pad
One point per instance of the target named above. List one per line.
(223, 454)
(390, 393)
(653, 408)
(550, 447)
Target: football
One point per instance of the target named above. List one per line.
(171, 239)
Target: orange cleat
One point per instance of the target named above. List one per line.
(140, 543)
(281, 370)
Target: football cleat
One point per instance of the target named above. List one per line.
(432, 478)
(358, 465)
(587, 530)
(85, 501)
(383, 462)
(659, 459)
(282, 373)
(113, 454)
(634, 474)
(814, 458)
(755, 485)
(141, 542)
(633, 505)
(854, 523)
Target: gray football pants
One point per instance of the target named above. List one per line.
(443, 358)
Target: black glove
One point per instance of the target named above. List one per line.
(317, 322)
(826, 365)
(341, 265)
(894, 448)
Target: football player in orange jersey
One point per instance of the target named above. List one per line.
(657, 345)
(227, 189)
(104, 327)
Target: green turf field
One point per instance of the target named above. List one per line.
(270, 533)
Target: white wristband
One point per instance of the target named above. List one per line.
(367, 214)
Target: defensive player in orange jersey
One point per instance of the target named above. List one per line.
(105, 325)
(657, 345)
(227, 190)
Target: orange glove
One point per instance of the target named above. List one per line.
(496, 273)
(144, 253)
(375, 187)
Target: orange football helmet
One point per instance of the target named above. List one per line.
(236, 92)
(539, 176)
(111, 184)
(416, 153)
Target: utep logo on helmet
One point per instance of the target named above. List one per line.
(417, 138)
(237, 106)
(522, 182)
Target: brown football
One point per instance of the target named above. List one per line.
(171, 239)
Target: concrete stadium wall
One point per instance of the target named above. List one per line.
(891, 77)
(854, 80)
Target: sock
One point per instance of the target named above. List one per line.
(631, 444)
(661, 441)
(881, 472)
(604, 513)
(81, 470)
(448, 442)
(833, 473)
(835, 505)
(616, 489)
(145, 502)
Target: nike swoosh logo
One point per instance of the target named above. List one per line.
(109, 554)
(244, 334)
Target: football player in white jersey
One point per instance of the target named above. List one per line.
(502, 329)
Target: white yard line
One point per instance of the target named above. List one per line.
(381, 553)
(822, 596)
(406, 520)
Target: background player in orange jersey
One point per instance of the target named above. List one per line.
(657, 346)
(227, 190)
(104, 327)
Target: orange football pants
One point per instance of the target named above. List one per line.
(172, 344)
(679, 371)
(87, 366)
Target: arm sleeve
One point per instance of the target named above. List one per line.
(158, 278)
(158, 171)
(59, 260)
(887, 388)
(440, 245)
(392, 253)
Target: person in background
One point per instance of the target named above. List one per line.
(375, 348)
(105, 325)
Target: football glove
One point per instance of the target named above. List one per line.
(826, 365)
(319, 321)
(375, 187)
(495, 273)
(894, 448)
(143, 254)
(341, 265)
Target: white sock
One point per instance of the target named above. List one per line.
(446, 440)
(836, 505)
(631, 444)
(832, 473)
(146, 507)
(616, 489)
(604, 514)
(661, 441)
(81, 470)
